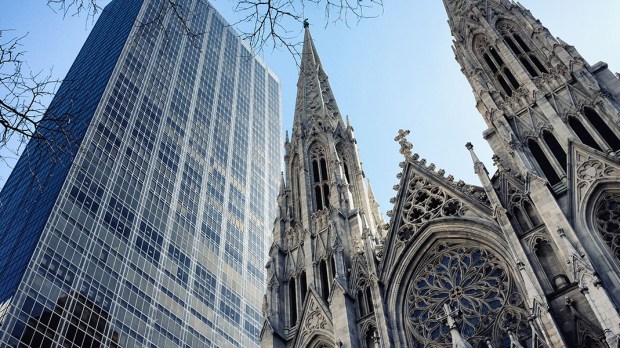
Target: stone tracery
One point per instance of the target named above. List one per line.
(607, 215)
(472, 280)
(424, 202)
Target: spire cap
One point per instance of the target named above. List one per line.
(474, 157)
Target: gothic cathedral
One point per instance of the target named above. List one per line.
(529, 259)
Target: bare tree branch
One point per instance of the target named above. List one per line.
(263, 24)
(23, 94)
(274, 23)
(75, 7)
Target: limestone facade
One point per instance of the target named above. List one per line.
(530, 258)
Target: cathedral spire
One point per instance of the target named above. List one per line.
(541, 100)
(327, 208)
(315, 101)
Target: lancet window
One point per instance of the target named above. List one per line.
(471, 279)
(556, 148)
(602, 128)
(607, 221)
(327, 272)
(364, 301)
(582, 133)
(303, 284)
(543, 162)
(344, 161)
(550, 263)
(360, 287)
(295, 174)
(324, 278)
(346, 172)
(371, 338)
(523, 211)
(514, 40)
(320, 179)
(292, 300)
(496, 66)
(296, 286)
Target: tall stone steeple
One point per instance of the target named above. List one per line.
(322, 288)
(528, 259)
(536, 93)
(554, 124)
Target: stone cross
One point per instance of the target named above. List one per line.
(405, 146)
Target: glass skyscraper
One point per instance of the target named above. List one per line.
(138, 218)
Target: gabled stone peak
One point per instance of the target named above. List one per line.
(420, 165)
(315, 107)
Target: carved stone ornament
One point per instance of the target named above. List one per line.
(472, 280)
(607, 221)
(588, 170)
(424, 202)
(314, 321)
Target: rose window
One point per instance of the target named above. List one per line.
(472, 280)
(608, 221)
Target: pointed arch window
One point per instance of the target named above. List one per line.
(324, 279)
(292, 300)
(344, 159)
(496, 66)
(521, 219)
(514, 40)
(523, 211)
(303, 284)
(360, 303)
(550, 263)
(555, 147)
(602, 128)
(532, 213)
(295, 174)
(371, 306)
(364, 300)
(371, 338)
(332, 265)
(582, 133)
(543, 162)
(320, 178)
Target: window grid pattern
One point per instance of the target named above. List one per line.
(132, 253)
(496, 66)
(521, 49)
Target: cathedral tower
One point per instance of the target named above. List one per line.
(322, 289)
(554, 126)
(529, 259)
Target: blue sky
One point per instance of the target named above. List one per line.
(394, 71)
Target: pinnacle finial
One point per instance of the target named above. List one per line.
(479, 167)
(514, 341)
(458, 341)
(405, 145)
(306, 24)
(282, 184)
(474, 157)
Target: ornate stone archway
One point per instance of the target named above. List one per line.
(320, 341)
